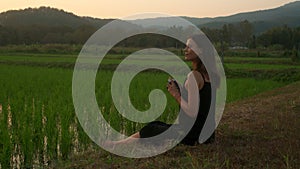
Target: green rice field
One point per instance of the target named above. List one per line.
(38, 125)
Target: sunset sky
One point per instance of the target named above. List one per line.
(123, 8)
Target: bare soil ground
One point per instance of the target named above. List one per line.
(258, 132)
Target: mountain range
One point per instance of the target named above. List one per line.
(262, 20)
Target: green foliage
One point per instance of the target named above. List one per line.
(256, 53)
(241, 34)
(280, 38)
(238, 34)
(241, 88)
(295, 56)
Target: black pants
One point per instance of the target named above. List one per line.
(158, 127)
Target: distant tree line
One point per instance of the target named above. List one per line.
(241, 34)
(233, 34)
(151, 40)
(288, 38)
(238, 34)
(40, 34)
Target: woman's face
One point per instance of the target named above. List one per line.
(188, 52)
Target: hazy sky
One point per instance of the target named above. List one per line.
(122, 8)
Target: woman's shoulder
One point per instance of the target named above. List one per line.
(196, 74)
(198, 77)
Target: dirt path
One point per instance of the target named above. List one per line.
(259, 132)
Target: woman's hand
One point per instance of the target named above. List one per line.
(173, 90)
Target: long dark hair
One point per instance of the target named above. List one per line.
(206, 51)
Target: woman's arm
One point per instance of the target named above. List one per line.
(193, 83)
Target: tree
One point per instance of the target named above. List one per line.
(246, 32)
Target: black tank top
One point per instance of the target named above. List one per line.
(204, 106)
